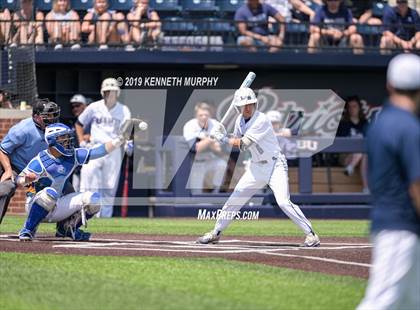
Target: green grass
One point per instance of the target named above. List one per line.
(32, 281)
(174, 226)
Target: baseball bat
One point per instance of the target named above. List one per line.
(246, 83)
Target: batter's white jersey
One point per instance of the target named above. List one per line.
(268, 167)
(260, 131)
(105, 123)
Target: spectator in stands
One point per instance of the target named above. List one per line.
(5, 23)
(402, 28)
(60, 26)
(105, 26)
(374, 14)
(5, 102)
(333, 26)
(354, 124)
(144, 32)
(27, 25)
(207, 160)
(252, 21)
(284, 7)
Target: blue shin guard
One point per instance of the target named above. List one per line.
(35, 216)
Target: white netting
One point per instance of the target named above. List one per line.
(18, 79)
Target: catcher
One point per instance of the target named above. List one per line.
(50, 170)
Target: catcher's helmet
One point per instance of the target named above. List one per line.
(61, 138)
(110, 84)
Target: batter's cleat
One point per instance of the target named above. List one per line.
(209, 237)
(75, 234)
(311, 240)
(25, 235)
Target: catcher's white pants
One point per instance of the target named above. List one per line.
(66, 206)
(394, 279)
(199, 171)
(273, 174)
(101, 175)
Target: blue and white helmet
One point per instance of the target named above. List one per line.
(61, 138)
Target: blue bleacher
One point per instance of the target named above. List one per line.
(120, 5)
(178, 25)
(12, 5)
(165, 5)
(81, 5)
(199, 6)
(43, 5)
(230, 6)
(215, 25)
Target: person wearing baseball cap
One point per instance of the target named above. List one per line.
(393, 147)
(78, 104)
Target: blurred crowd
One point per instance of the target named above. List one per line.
(253, 24)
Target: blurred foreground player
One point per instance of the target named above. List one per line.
(51, 170)
(394, 179)
(254, 132)
(22, 143)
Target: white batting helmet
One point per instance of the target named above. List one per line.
(110, 84)
(244, 96)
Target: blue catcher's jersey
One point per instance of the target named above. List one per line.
(55, 172)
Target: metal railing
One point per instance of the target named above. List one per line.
(210, 34)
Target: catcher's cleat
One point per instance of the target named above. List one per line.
(25, 235)
(311, 240)
(71, 232)
(209, 237)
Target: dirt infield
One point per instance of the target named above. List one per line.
(339, 256)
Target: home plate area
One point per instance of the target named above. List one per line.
(343, 256)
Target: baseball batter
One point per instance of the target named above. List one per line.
(254, 132)
(104, 118)
(50, 170)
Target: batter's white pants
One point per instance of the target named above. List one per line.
(394, 279)
(66, 206)
(273, 174)
(199, 171)
(101, 175)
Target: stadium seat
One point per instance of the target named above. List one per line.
(12, 5)
(229, 6)
(378, 8)
(296, 34)
(165, 5)
(371, 34)
(178, 25)
(215, 25)
(120, 5)
(200, 5)
(81, 5)
(43, 5)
